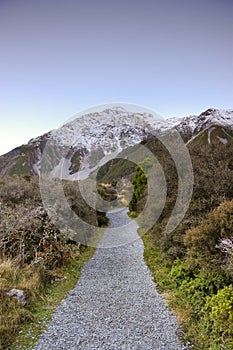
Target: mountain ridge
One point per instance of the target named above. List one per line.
(90, 139)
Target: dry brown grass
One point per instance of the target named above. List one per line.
(13, 315)
(34, 280)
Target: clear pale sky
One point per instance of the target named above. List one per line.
(61, 56)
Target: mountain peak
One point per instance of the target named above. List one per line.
(211, 119)
(209, 111)
(215, 111)
(119, 109)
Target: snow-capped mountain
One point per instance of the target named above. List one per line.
(108, 128)
(89, 141)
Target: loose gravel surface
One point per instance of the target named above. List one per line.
(115, 304)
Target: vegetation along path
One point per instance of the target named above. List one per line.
(115, 304)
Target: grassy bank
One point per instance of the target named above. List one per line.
(21, 325)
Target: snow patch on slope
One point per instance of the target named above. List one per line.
(224, 141)
(209, 133)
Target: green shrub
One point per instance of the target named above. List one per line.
(220, 310)
(139, 181)
(180, 273)
(197, 289)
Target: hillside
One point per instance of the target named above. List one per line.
(193, 265)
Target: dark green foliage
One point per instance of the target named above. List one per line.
(139, 181)
(102, 219)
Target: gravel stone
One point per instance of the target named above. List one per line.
(115, 305)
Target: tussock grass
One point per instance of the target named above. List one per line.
(13, 315)
(52, 296)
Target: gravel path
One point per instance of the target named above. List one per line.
(115, 304)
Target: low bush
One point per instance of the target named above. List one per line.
(220, 313)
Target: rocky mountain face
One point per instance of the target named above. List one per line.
(193, 128)
(87, 142)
